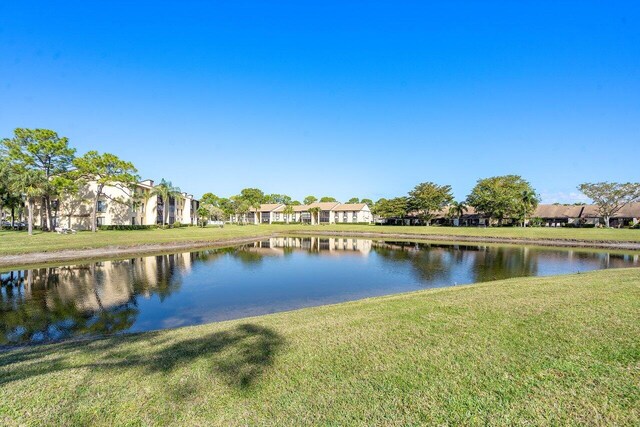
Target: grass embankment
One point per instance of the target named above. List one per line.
(526, 351)
(528, 233)
(12, 242)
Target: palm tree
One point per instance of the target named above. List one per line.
(315, 213)
(457, 209)
(288, 211)
(529, 200)
(166, 191)
(28, 183)
(242, 209)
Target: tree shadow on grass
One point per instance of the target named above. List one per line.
(239, 355)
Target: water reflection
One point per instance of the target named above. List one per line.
(270, 275)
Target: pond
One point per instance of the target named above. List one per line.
(277, 274)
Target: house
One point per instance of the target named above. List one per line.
(559, 215)
(585, 215)
(121, 206)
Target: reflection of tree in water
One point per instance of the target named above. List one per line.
(99, 298)
(495, 263)
(431, 262)
(248, 257)
(435, 262)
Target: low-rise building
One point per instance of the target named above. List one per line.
(314, 213)
(551, 215)
(121, 206)
(585, 215)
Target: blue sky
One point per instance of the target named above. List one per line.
(345, 99)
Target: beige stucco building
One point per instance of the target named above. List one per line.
(121, 206)
(327, 213)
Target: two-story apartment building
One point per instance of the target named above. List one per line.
(314, 213)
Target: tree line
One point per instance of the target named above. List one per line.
(37, 165)
(500, 198)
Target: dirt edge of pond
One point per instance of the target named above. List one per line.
(108, 252)
(41, 258)
(566, 243)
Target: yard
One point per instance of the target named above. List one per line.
(532, 351)
(12, 242)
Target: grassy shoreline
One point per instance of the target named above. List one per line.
(15, 243)
(552, 350)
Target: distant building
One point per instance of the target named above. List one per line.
(554, 215)
(328, 213)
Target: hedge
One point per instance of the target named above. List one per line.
(126, 227)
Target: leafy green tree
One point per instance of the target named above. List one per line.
(210, 199)
(368, 202)
(226, 205)
(309, 200)
(499, 197)
(241, 208)
(428, 198)
(296, 203)
(610, 197)
(41, 150)
(105, 170)
(326, 199)
(277, 198)
(253, 197)
(391, 208)
(214, 213)
(353, 200)
(166, 191)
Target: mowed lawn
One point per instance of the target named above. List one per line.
(12, 242)
(527, 351)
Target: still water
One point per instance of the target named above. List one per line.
(166, 291)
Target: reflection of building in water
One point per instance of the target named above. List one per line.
(325, 245)
(102, 297)
(105, 284)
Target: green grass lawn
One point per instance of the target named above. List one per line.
(12, 242)
(533, 233)
(527, 351)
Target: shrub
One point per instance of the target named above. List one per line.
(351, 223)
(177, 224)
(125, 227)
(536, 222)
